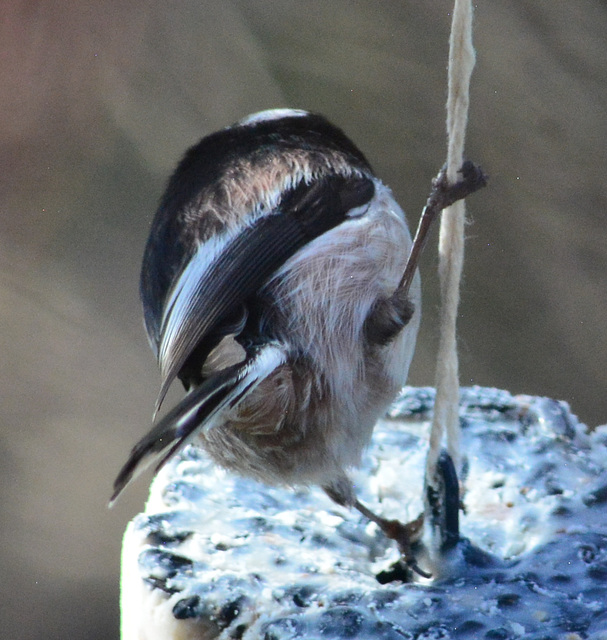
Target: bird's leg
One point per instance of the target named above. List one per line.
(442, 195)
(391, 314)
(341, 491)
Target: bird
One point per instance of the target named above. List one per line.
(271, 288)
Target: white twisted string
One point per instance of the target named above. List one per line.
(451, 244)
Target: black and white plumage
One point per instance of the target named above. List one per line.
(268, 287)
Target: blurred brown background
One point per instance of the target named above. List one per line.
(99, 100)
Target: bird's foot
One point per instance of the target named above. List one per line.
(405, 535)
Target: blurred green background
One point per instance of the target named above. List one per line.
(99, 100)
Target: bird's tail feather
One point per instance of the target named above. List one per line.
(224, 389)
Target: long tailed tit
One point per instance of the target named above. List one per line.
(271, 287)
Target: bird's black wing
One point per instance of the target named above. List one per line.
(216, 283)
